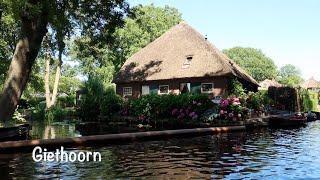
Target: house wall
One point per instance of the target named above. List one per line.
(220, 85)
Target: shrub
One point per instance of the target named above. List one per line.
(309, 100)
(111, 103)
(89, 106)
(231, 109)
(184, 106)
(67, 101)
(258, 100)
(236, 88)
(56, 113)
(99, 100)
(284, 97)
(39, 111)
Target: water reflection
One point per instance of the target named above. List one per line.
(265, 154)
(52, 130)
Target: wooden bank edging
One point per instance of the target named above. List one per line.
(28, 145)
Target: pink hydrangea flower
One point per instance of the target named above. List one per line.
(224, 103)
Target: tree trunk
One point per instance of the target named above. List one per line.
(47, 81)
(32, 32)
(56, 83)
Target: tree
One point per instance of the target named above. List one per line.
(63, 17)
(254, 61)
(290, 75)
(8, 39)
(143, 25)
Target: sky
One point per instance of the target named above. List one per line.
(288, 31)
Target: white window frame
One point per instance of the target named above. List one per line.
(162, 86)
(142, 89)
(123, 91)
(207, 91)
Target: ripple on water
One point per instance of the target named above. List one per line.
(265, 154)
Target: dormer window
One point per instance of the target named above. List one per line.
(187, 62)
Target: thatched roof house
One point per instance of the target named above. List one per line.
(311, 84)
(265, 84)
(181, 60)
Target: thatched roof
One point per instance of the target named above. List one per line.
(310, 83)
(265, 84)
(166, 58)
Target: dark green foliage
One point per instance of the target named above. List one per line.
(98, 101)
(89, 108)
(284, 98)
(236, 88)
(66, 101)
(56, 113)
(257, 100)
(166, 106)
(309, 100)
(111, 103)
(38, 111)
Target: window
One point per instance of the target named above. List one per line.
(145, 90)
(187, 62)
(127, 91)
(164, 89)
(206, 87)
(185, 88)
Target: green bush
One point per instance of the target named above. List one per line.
(56, 113)
(39, 111)
(89, 106)
(68, 101)
(236, 88)
(111, 103)
(257, 100)
(98, 100)
(165, 106)
(309, 100)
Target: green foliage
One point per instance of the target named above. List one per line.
(309, 100)
(98, 100)
(56, 113)
(254, 61)
(166, 106)
(111, 103)
(89, 108)
(236, 88)
(8, 39)
(143, 25)
(257, 100)
(18, 117)
(39, 111)
(290, 75)
(284, 98)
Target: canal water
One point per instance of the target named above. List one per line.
(261, 154)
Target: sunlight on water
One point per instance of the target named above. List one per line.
(264, 154)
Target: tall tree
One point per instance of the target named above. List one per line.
(254, 61)
(63, 17)
(8, 38)
(142, 25)
(290, 75)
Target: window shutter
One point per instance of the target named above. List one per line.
(196, 88)
(153, 89)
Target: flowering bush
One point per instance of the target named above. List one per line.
(181, 107)
(231, 109)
